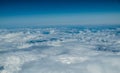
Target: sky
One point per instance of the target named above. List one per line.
(59, 12)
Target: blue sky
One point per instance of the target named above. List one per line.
(56, 12)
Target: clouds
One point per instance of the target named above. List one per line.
(60, 50)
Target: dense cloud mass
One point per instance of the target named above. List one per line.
(63, 50)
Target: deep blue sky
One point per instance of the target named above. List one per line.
(44, 12)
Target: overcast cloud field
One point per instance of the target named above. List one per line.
(68, 49)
